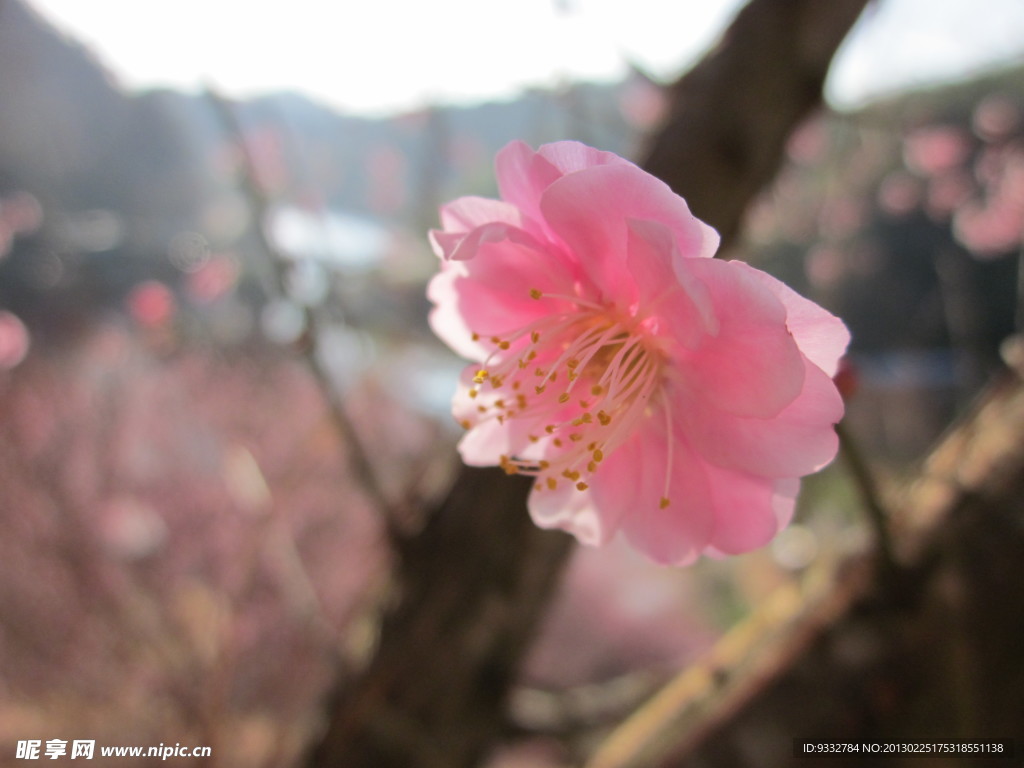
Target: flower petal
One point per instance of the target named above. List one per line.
(490, 294)
(681, 303)
(573, 156)
(632, 481)
(822, 336)
(589, 209)
(523, 175)
(752, 367)
(468, 213)
(749, 510)
(798, 441)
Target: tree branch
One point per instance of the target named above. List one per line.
(732, 114)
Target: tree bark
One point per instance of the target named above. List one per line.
(731, 115)
(469, 589)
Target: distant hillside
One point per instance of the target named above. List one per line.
(120, 177)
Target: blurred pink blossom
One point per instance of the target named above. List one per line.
(935, 149)
(151, 303)
(995, 225)
(14, 340)
(648, 387)
(995, 117)
(899, 193)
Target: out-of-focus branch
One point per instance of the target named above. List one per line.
(363, 470)
(731, 115)
(470, 589)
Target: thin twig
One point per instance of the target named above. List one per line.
(864, 479)
(361, 467)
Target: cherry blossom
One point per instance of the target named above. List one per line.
(650, 389)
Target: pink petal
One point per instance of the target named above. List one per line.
(752, 367)
(523, 175)
(477, 219)
(569, 509)
(588, 210)
(683, 306)
(632, 481)
(490, 294)
(821, 336)
(467, 213)
(446, 318)
(749, 510)
(572, 156)
(798, 441)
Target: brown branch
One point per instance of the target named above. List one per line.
(732, 114)
(362, 469)
(470, 588)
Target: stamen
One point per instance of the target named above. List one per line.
(668, 457)
(619, 367)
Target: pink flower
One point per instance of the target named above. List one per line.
(649, 388)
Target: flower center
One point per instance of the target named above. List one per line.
(578, 381)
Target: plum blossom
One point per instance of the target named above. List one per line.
(648, 388)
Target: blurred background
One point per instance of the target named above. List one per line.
(213, 224)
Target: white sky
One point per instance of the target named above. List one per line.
(387, 55)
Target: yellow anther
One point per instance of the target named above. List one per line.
(495, 339)
(475, 337)
(664, 502)
(535, 294)
(575, 437)
(552, 483)
(581, 486)
(504, 344)
(482, 408)
(540, 372)
(557, 442)
(584, 404)
(564, 397)
(516, 385)
(499, 403)
(571, 363)
(598, 454)
(532, 355)
(532, 438)
(597, 390)
(550, 429)
(586, 418)
(591, 467)
(465, 424)
(535, 337)
(540, 389)
(473, 393)
(481, 376)
(604, 418)
(543, 464)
